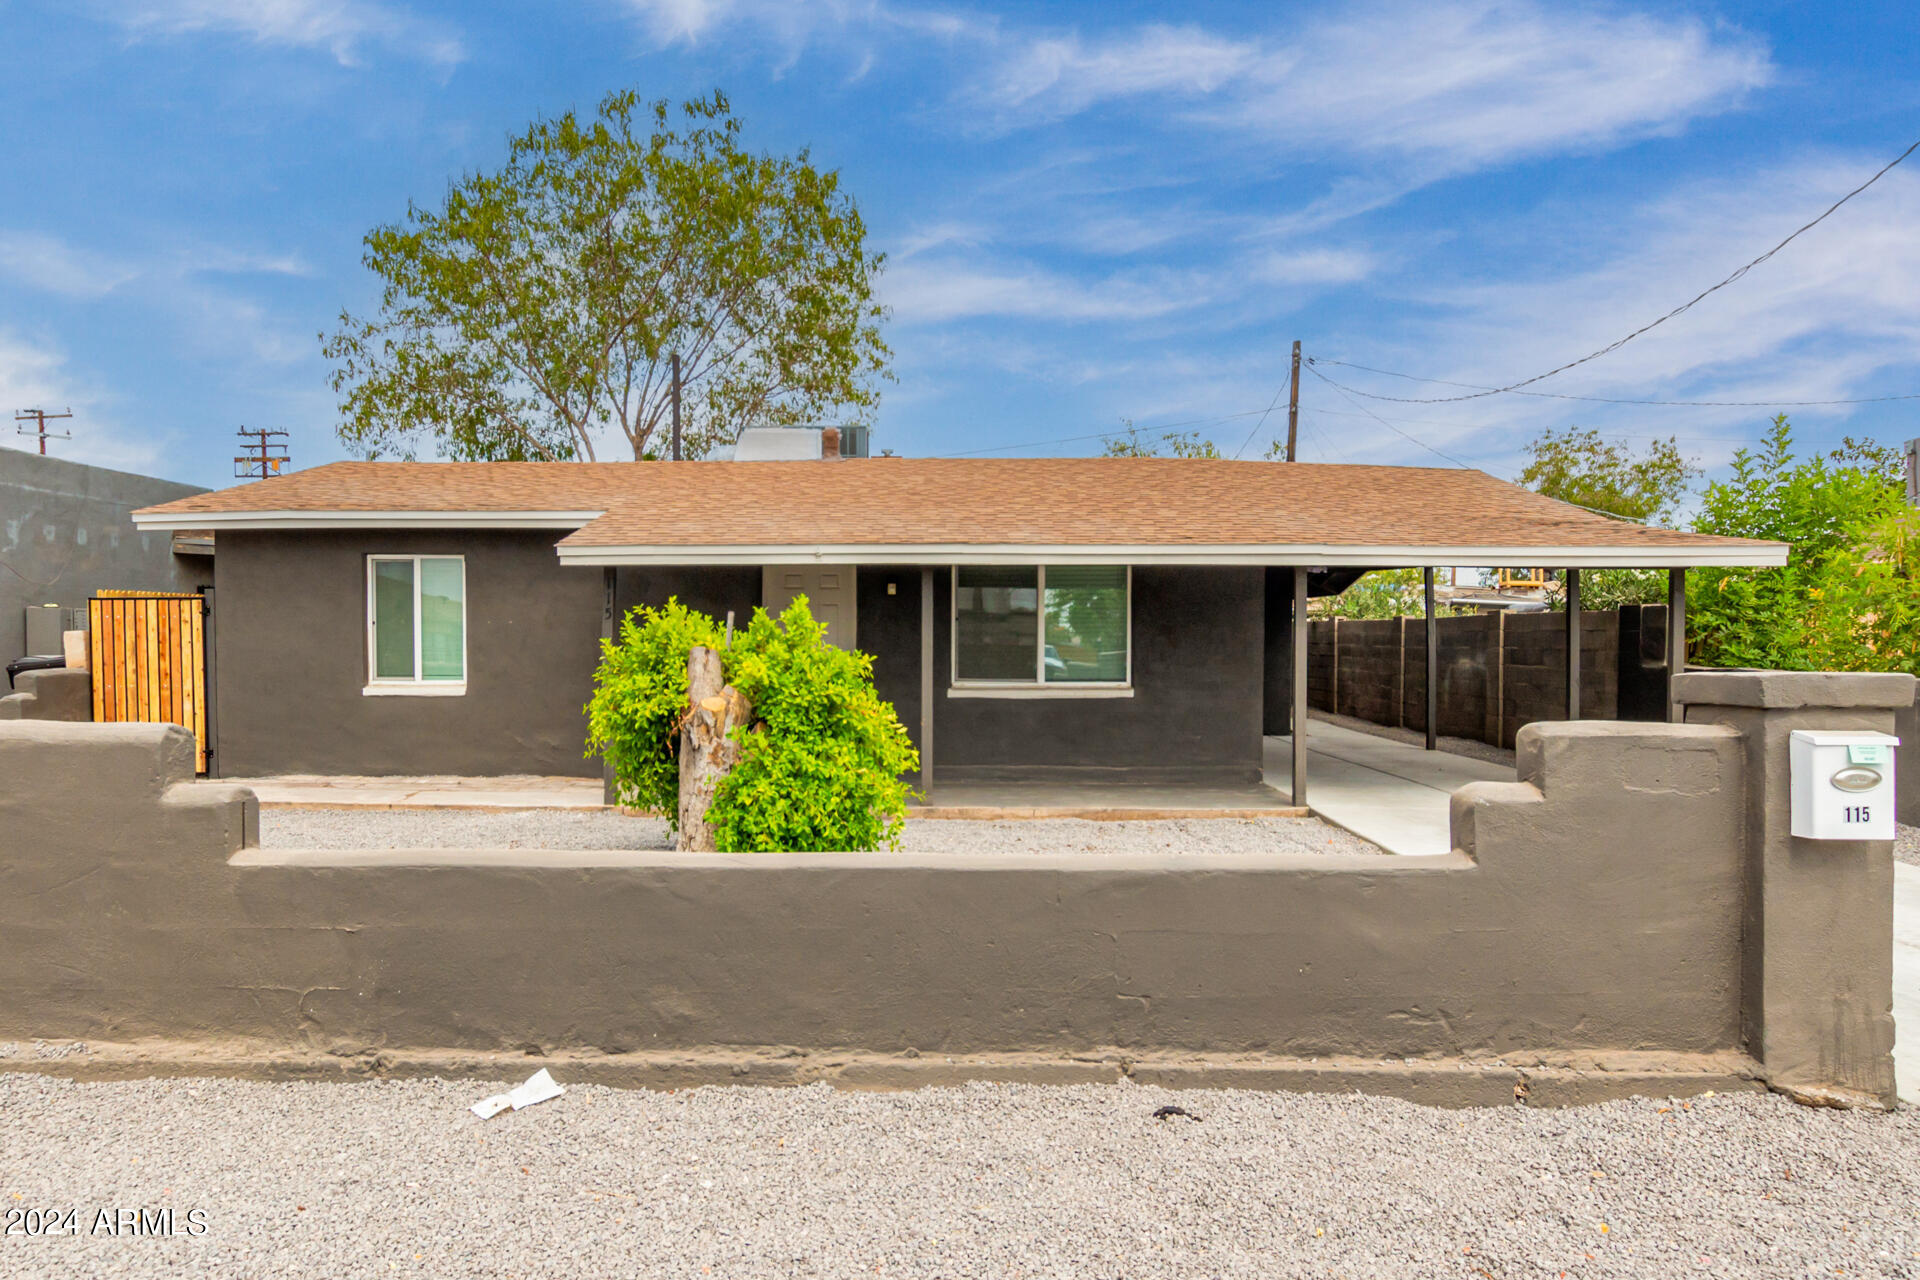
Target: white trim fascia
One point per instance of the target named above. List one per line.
(1317, 556)
(1059, 689)
(365, 519)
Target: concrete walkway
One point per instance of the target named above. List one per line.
(319, 791)
(1906, 980)
(1392, 793)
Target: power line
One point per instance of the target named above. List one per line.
(1555, 395)
(1679, 310)
(1157, 432)
(1621, 435)
(1388, 425)
(1256, 426)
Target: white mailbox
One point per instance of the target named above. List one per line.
(1842, 784)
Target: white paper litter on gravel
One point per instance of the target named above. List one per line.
(538, 1087)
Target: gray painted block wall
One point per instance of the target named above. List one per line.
(65, 534)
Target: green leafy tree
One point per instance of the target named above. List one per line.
(1179, 444)
(537, 309)
(1579, 466)
(820, 768)
(1846, 600)
(1383, 593)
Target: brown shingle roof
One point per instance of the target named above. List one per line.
(898, 502)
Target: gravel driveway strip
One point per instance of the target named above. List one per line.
(601, 829)
(398, 1179)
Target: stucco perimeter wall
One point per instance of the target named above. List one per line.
(59, 693)
(1593, 905)
(1906, 724)
(290, 658)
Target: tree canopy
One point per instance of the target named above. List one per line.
(1848, 599)
(1179, 444)
(534, 313)
(1579, 466)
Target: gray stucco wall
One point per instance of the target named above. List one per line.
(1566, 921)
(58, 694)
(1198, 662)
(291, 659)
(65, 534)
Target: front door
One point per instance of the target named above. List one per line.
(829, 589)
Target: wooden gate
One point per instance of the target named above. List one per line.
(147, 652)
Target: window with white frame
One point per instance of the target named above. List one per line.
(1061, 625)
(417, 621)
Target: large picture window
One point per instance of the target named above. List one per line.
(1058, 625)
(416, 623)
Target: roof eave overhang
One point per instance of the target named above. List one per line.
(364, 519)
(1757, 555)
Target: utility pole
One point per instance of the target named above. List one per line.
(39, 418)
(264, 456)
(676, 406)
(1293, 408)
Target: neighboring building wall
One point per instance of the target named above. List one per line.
(290, 652)
(1597, 908)
(64, 534)
(1195, 713)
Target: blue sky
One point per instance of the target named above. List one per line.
(1092, 212)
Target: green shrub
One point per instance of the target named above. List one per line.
(640, 693)
(824, 773)
(821, 767)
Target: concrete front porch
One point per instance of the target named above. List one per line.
(1394, 794)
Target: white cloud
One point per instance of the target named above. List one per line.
(1831, 317)
(50, 265)
(1479, 82)
(36, 376)
(940, 289)
(1050, 76)
(341, 27)
(1455, 84)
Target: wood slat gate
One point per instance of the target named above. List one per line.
(147, 651)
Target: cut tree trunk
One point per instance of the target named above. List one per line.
(715, 708)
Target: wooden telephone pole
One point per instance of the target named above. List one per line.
(1293, 408)
(264, 455)
(39, 418)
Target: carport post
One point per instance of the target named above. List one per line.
(1299, 690)
(1433, 670)
(926, 681)
(1573, 644)
(1676, 637)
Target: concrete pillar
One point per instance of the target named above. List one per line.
(1817, 960)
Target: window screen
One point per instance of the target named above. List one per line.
(1086, 623)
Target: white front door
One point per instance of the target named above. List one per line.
(829, 589)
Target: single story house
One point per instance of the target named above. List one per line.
(1100, 619)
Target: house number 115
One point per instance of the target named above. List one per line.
(1856, 813)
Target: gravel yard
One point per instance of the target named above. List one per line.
(1906, 845)
(602, 829)
(398, 1179)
